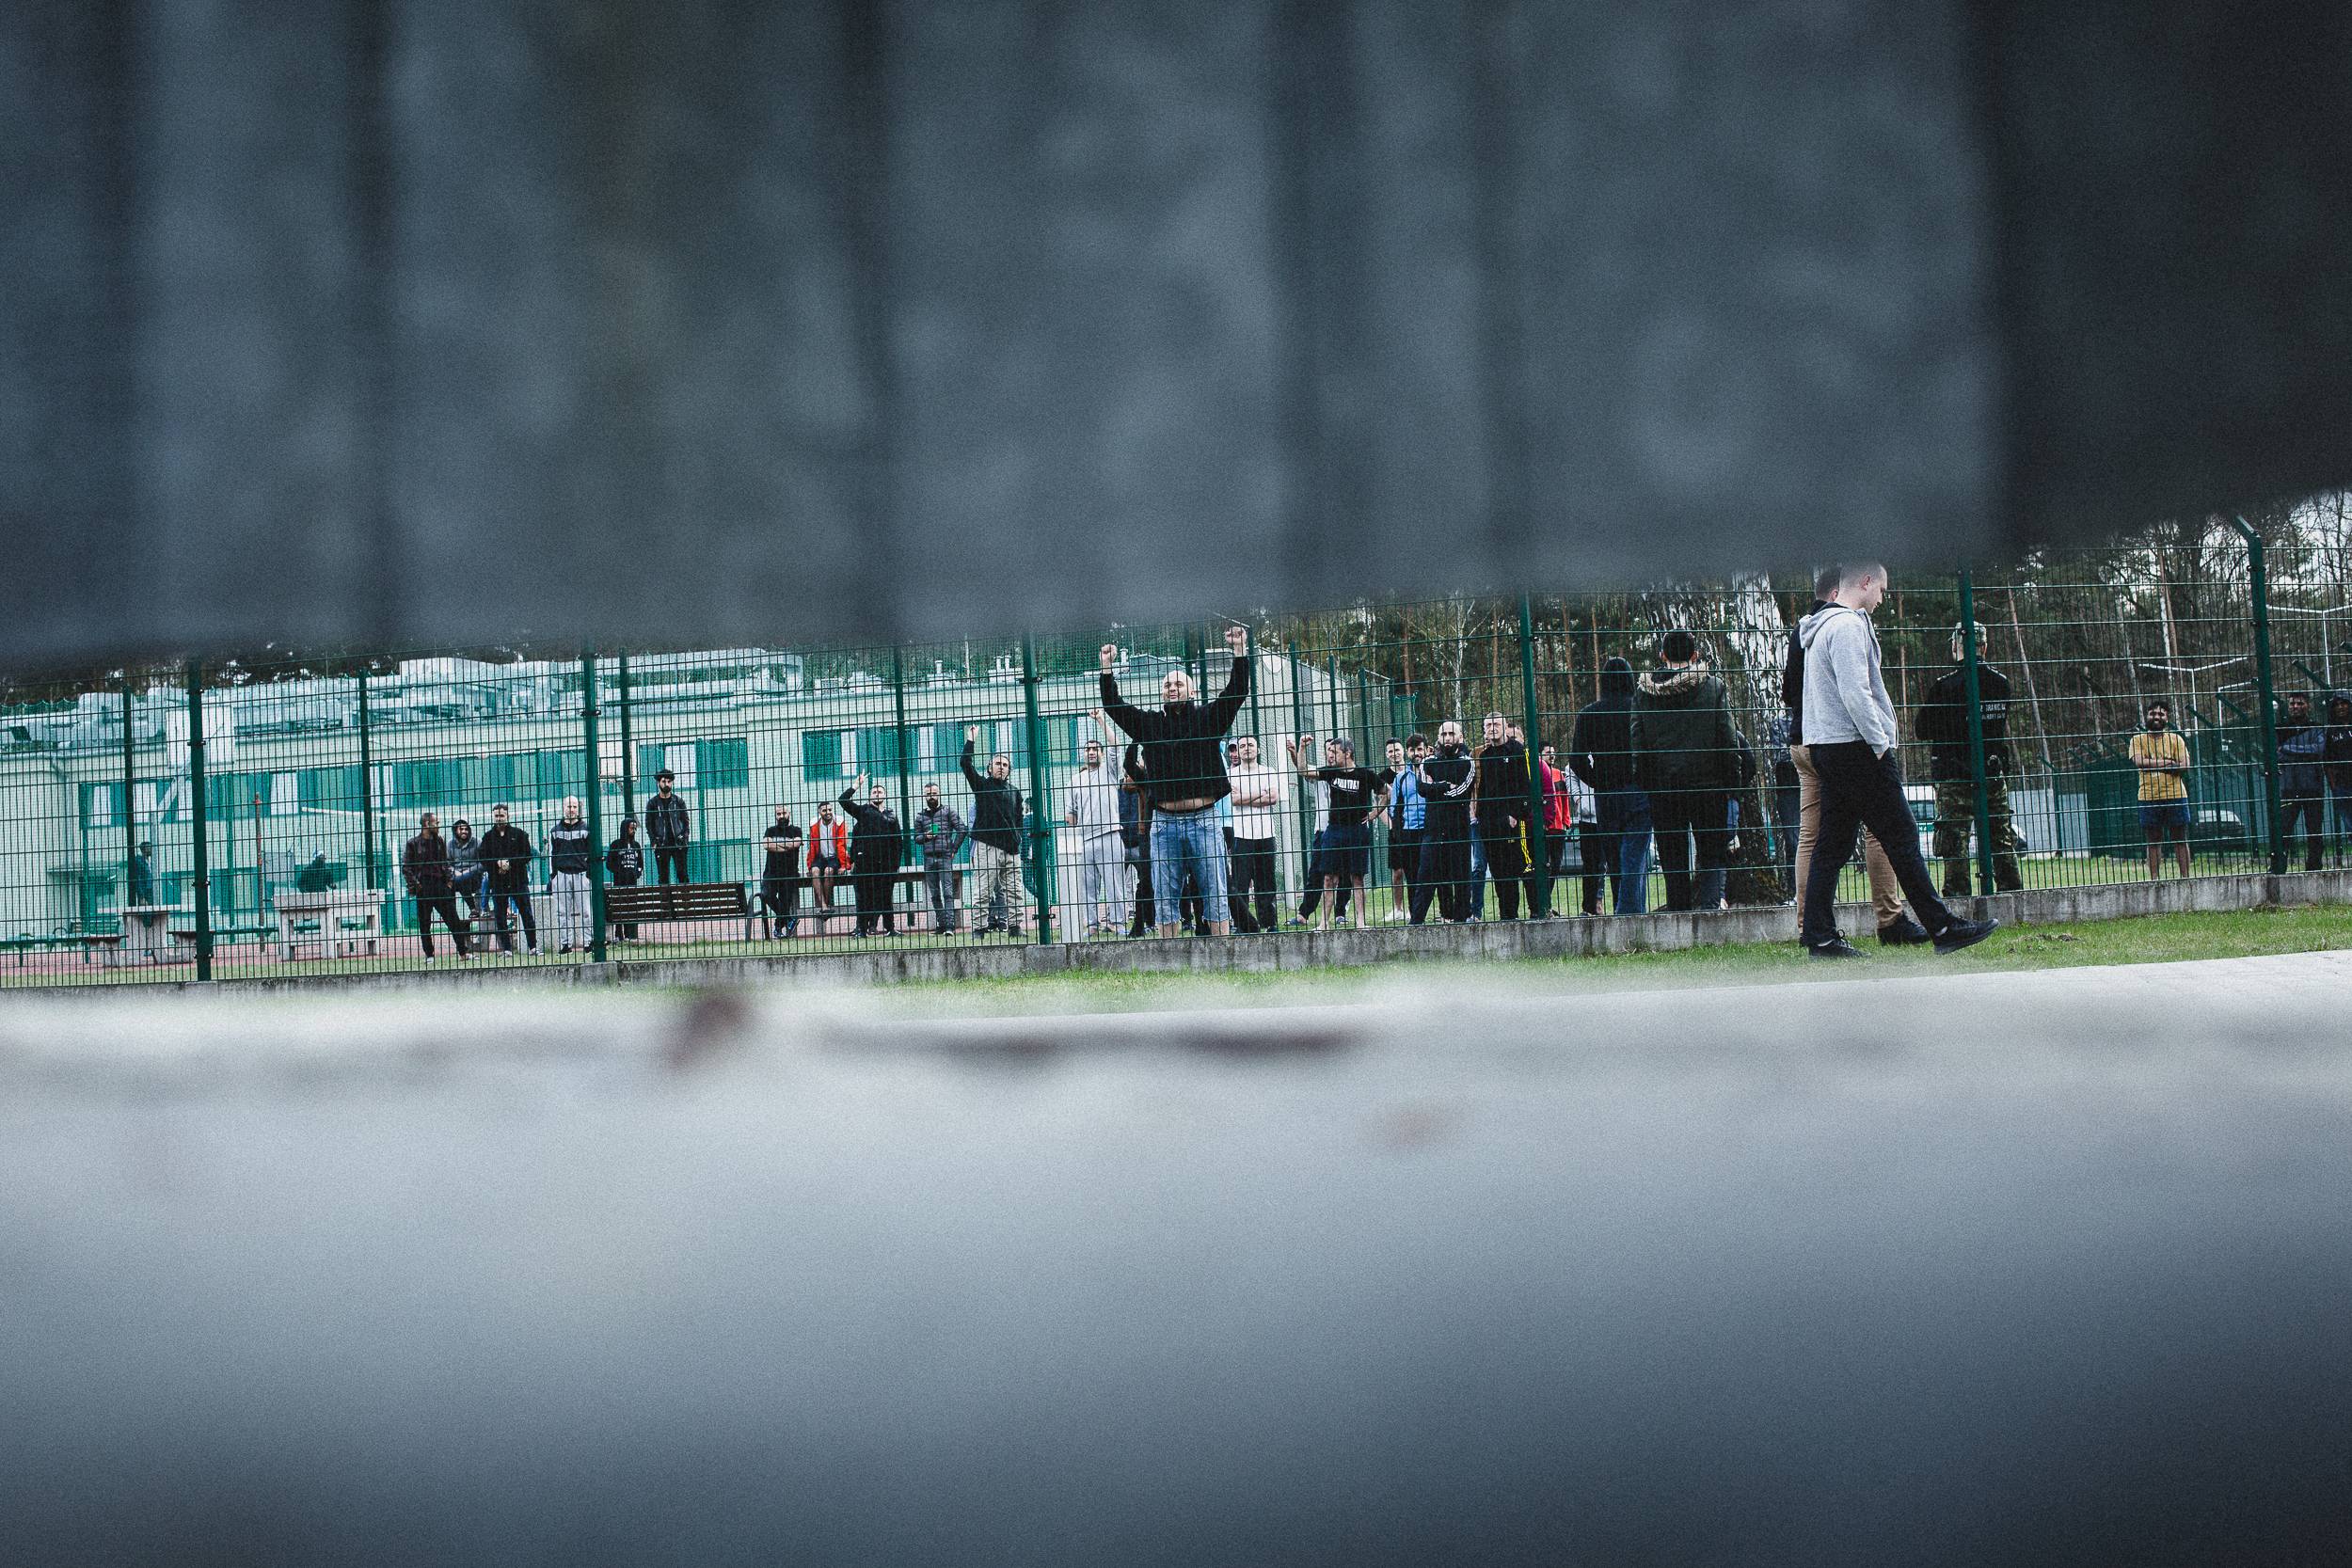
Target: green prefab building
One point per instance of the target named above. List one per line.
(340, 767)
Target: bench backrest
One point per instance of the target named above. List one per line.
(675, 902)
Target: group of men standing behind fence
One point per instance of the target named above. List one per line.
(1174, 822)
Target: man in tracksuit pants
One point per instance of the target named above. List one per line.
(570, 852)
(1093, 811)
(668, 828)
(1850, 728)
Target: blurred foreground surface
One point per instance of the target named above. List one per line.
(2043, 1267)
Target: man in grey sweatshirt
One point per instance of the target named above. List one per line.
(1850, 726)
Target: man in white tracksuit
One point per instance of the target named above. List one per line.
(1101, 853)
(570, 852)
(1850, 728)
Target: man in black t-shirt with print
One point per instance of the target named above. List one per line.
(1353, 794)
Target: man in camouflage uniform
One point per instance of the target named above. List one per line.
(1943, 723)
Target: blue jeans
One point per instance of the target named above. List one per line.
(1181, 837)
(1624, 814)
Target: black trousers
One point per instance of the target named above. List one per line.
(521, 901)
(668, 857)
(444, 905)
(1505, 844)
(2312, 809)
(873, 889)
(781, 897)
(1249, 876)
(1445, 871)
(1599, 851)
(1860, 790)
(626, 933)
(1706, 815)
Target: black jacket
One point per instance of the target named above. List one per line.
(1600, 747)
(570, 848)
(1942, 721)
(1682, 734)
(625, 863)
(667, 825)
(996, 808)
(877, 843)
(1443, 772)
(425, 867)
(1183, 757)
(2337, 753)
(512, 845)
(1502, 783)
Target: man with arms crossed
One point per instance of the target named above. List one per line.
(1184, 775)
(1849, 729)
(1257, 795)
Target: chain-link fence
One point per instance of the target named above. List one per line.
(291, 815)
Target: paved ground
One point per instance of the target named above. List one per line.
(2027, 1267)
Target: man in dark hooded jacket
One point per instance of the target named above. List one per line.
(2303, 779)
(1686, 759)
(1600, 753)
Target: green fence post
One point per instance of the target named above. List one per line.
(1040, 828)
(2258, 575)
(129, 827)
(1975, 728)
(1257, 728)
(367, 789)
(629, 751)
(201, 866)
(1305, 798)
(595, 806)
(1538, 830)
(906, 765)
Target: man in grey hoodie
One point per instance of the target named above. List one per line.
(1850, 726)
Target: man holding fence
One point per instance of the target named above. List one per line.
(1183, 777)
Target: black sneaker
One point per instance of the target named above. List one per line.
(1906, 932)
(1965, 933)
(1836, 947)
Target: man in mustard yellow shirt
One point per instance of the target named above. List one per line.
(2162, 757)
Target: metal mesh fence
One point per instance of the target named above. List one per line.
(268, 816)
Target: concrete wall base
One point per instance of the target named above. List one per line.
(1574, 937)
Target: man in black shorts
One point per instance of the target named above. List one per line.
(1355, 795)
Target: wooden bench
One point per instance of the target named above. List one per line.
(654, 905)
